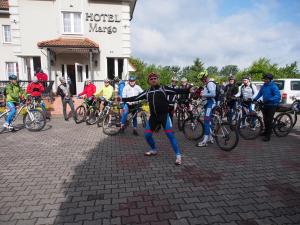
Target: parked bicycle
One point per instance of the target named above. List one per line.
(88, 111)
(33, 118)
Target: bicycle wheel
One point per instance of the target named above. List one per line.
(34, 120)
(111, 124)
(193, 128)
(144, 119)
(226, 136)
(295, 109)
(100, 118)
(250, 126)
(283, 124)
(182, 116)
(2, 121)
(217, 111)
(92, 117)
(81, 114)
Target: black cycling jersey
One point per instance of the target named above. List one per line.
(157, 98)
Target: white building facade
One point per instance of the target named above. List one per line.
(78, 39)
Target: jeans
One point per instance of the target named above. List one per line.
(11, 106)
(232, 107)
(71, 104)
(125, 114)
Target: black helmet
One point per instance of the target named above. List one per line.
(231, 77)
(12, 77)
(268, 76)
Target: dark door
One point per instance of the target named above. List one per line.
(71, 78)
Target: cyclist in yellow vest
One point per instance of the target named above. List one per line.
(107, 92)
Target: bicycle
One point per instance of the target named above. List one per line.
(110, 118)
(138, 108)
(182, 112)
(226, 136)
(295, 109)
(33, 119)
(88, 111)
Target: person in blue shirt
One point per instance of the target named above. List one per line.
(271, 99)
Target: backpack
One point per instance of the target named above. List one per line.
(219, 90)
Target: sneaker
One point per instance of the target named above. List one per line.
(211, 141)
(8, 126)
(135, 132)
(202, 144)
(178, 160)
(151, 153)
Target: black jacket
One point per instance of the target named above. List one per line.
(230, 90)
(157, 98)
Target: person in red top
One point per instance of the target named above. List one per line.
(89, 89)
(42, 77)
(35, 89)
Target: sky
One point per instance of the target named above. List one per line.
(219, 32)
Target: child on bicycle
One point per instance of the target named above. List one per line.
(14, 94)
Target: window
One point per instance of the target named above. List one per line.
(72, 23)
(12, 68)
(295, 85)
(6, 34)
(280, 84)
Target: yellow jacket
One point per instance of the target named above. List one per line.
(107, 92)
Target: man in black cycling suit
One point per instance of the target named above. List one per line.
(156, 95)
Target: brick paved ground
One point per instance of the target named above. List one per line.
(73, 174)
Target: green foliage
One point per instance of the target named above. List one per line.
(255, 71)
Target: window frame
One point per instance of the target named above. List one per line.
(291, 85)
(15, 66)
(72, 21)
(3, 34)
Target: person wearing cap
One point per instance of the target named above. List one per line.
(271, 99)
(107, 93)
(231, 89)
(63, 90)
(35, 89)
(156, 95)
(172, 98)
(208, 94)
(130, 90)
(14, 94)
(246, 92)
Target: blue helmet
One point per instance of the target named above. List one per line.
(12, 77)
(132, 78)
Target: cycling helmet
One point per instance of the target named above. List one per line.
(116, 79)
(12, 77)
(203, 74)
(106, 80)
(62, 79)
(268, 76)
(132, 78)
(231, 77)
(247, 78)
(152, 75)
(183, 79)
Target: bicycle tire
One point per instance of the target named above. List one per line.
(144, 119)
(190, 124)
(226, 127)
(92, 118)
(41, 120)
(2, 121)
(252, 129)
(282, 128)
(180, 120)
(81, 114)
(100, 119)
(112, 128)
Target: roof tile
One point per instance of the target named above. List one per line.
(69, 43)
(4, 4)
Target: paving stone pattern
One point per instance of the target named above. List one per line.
(74, 174)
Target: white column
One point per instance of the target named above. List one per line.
(116, 67)
(21, 68)
(31, 68)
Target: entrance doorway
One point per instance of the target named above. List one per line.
(71, 78)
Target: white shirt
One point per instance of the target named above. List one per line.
(247, 92)
(129, 91)
(209, 90)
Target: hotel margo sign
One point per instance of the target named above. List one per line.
(103, 23)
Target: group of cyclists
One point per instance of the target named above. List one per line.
(162, 100)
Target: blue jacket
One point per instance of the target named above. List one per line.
(270, 93)
(121, 87)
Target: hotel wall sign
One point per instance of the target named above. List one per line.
(103, 23)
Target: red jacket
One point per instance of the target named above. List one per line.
(89, 90)
(42, 76)
(35, 89)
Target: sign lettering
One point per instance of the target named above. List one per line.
(96, 21)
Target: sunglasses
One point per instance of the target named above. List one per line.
(153, 78)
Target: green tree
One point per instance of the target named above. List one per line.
(229, 70)
(212, 70)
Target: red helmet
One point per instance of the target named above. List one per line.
(151, 75)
